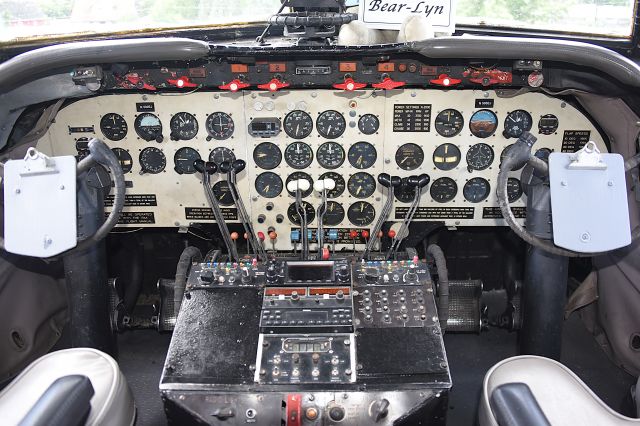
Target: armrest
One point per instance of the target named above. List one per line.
(65, 402)
(513, 404)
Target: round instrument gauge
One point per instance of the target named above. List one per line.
(446, 156)
(222, 192)
(298, 155)
(113, 126)
(443, 190)
(269, 185)
(148, 127)
(480, 156)
(267, 156)
(331, 124)
(330, 155)
(548, 124)
(409, 156)
(368, 124)
(362, 155)
(405, 193)
(483, 123)
(361, 185)
(298, 124)
(476, 189)
(340, 184)
(220, 126)
(514, 189)
(543, 153)
(184, 159)
(504, 154)
(449, 123)
(294, 217)
(152, 160)
(184, 126)
(300, 175)
(221, 154)
(124, 158)
(516, 123)
(334, 214)
(361, 213)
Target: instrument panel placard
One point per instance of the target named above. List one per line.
(411, 118)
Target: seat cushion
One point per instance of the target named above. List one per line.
(562, 396)
(112, 403)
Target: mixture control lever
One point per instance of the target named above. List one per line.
(232, 169)
(207, 169)
(419, 183)
(391, 183)
(299, 186)
(322, 186)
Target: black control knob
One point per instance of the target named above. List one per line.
(224, 167)
(223, 413)
(336, 413)
(343, 274)
(206, 276)
(245, 276)
(411, 275)
(379, 409)
(371, 275)
(272, 274)
(238, 165)
(199, 165)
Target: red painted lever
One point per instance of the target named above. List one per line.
(181, 82)
(445, 80)
(274, 85)
(234, 85)
(350, 85)
(139, 82)
(388, 84)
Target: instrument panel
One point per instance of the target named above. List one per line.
(456, 137)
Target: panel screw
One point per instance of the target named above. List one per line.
(563, 183)
(610, 183)
(62, 187)
(18, 190)
(585, 237)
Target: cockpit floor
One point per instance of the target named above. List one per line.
(142, 355)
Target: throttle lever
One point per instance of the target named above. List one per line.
(232, 169)
(208, 169)
(391, 183)
(298, 186)
(417, 182)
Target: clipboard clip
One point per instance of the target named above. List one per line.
(588, 158)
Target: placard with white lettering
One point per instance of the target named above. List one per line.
(389, 14)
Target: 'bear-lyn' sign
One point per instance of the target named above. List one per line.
(389, 14)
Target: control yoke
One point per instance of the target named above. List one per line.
(299, 186)
(418, 183)
(207, 169)
(391, 183)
